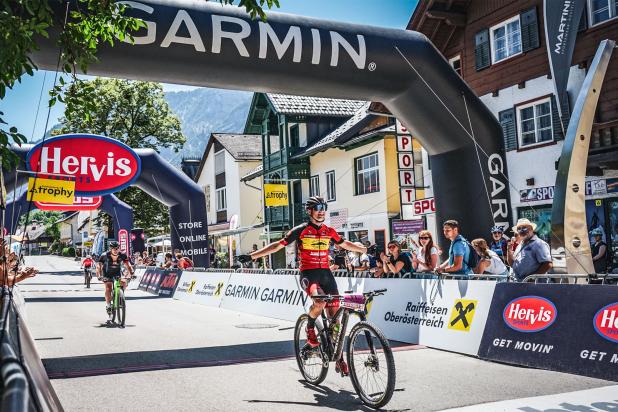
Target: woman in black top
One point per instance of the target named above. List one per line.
(396, 262)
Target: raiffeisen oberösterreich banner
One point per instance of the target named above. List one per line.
(204, 288)
(444, 314)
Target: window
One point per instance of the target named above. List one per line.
(207, 196)
(294, 136)
(330, 186)
(220, 162)
(314, 186)
(535, 123)
(455, 63)
(367, 178)
(221, 199)
(505, 39)
(601, 10)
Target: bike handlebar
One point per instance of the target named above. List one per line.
(335, 297)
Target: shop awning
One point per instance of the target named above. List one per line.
(214, 230)
(238, 231)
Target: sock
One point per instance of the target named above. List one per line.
(311, 322)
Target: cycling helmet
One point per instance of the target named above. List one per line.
(497, 229)
(596, 232)
(112, 244)
(314, 201)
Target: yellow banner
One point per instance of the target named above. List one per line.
(51, 190)
(276, 195)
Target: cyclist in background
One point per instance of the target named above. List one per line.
(312, 241)
(87, 265)
(109, 268)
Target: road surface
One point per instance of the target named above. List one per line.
(179, 356)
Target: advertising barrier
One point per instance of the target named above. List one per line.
(169, 280)
(134, 283)
(275, 296)
(444, 314)
(566, 328)
(204, 288)
(155, 281)
(146, 278)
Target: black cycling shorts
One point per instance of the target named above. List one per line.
(323, 278)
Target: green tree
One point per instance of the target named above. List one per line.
(47, 218)
(88, 26)
(135, 113)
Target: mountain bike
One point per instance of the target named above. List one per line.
(119, 307)
(87, 276)
(369, 355)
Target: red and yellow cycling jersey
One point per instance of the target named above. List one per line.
(313, 244)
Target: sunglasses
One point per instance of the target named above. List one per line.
(392, 246)
(424, 237)
(523, 230)
(320, 207)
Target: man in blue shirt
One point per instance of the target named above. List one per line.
(458, 253)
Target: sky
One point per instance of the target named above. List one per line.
(25, 106)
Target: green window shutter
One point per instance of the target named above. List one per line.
(482, 58)
(558, 135)
(529, 30)
(509, 128)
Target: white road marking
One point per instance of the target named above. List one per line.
(593, 400)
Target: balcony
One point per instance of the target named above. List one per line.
(603, 147)
(279, 218)
(275, 160)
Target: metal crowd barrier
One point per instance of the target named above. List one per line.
(220, 270)
(571, 279)
(255, 271)
(286, 272)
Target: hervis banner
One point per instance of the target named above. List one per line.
(564, 328)
(444, 314)
(59, 190)
(276, 194)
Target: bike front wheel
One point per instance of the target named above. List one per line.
(310, 362)
(121, 308)
(371, 363)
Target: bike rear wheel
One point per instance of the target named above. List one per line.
(121, 308)
(88, 278)
(310, 362)
(371, 363)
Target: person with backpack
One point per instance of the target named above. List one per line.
(462, 258)
(599, 252)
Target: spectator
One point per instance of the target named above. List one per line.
(499, 242)
(183, 262)
(340, 260)
(599, 252)
(395, 262)
(532, 255)
(489, 262)
(363, 259)
(168, 263)
(459, 253)
(372, 252)
(10, 272)
(426, 257)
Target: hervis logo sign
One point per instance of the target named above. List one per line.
(529, 314)
(100, 165)
(606, 322)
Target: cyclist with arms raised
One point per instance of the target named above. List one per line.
(109, 268)
(312, 241)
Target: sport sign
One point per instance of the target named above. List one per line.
(100, 165)
(276, 194)
(56, 190)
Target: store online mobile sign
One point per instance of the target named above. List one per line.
(100, 165)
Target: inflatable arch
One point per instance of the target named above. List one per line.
(204, 44)
(150, 172)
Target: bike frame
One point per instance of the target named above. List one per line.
(334, 352)
(117, 285)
